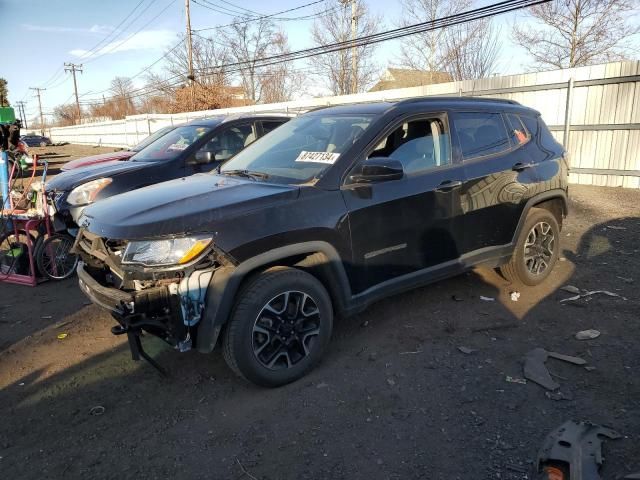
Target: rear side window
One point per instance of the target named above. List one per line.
(517, 131)
(481, 133)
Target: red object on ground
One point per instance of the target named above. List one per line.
(94, 159)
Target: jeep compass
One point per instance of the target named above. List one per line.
(334, 210)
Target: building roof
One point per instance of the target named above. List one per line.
(404, 77)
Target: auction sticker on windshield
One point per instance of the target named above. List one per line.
(318, 157)
(178, 146)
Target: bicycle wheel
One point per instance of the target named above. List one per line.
(55, 259)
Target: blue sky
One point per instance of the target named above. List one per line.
(48, 33)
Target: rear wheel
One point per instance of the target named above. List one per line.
(279, 328)
(55, 259)
(536, 251)
(43, 144)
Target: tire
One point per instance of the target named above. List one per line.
(43, 144)
(270, 340)
(542, 248)
(54, 259)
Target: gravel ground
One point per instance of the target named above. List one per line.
(393, 398)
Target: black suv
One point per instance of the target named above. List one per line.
(194, 147)
(332, 211)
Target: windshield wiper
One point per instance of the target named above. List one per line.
(246, 173)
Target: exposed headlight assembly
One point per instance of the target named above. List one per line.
(173, 251)
(87, 192)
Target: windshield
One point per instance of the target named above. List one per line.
(151, 138)
(171, 145)
(301, 149)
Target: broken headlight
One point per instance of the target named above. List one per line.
(87, 192)
(172, 251)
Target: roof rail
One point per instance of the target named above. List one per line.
(457, 99)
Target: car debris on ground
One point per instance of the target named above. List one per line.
(590, 293)
(570, 289)
(536, 370)
(573, 452)
(587, 334)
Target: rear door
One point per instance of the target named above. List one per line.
(498, 172)
(402, 226)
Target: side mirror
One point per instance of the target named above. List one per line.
(203, 157)
(378, 169)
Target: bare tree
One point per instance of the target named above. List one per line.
(472, 50)
(574, 33)
(335, 68)
(121, 103)
(209, 62)
(465, 51)
(65, 115)
(279, 82)
(249, 42)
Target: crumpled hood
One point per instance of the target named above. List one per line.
(187, 205)
(70, 179)
(94, 159)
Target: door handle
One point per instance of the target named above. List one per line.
(519, 167)
(448, 185)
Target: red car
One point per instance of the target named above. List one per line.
(121, 155)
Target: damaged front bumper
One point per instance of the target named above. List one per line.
(162, 311)
(165, 302)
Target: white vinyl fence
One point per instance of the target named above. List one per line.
(594, 111)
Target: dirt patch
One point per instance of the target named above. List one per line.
(393, 398)
(57, 156)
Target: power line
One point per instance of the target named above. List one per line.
(114, 47)
(240, 22)
(451, 20)
(115, 30)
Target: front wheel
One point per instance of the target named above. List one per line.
(536, 251)
(54, 257)
(279, 328)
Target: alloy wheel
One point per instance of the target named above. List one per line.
(538, 248)
(285, 330)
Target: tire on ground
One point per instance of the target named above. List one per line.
(237, 344)
(515, 270)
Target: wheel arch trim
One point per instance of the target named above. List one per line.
(557, 193)
(226, 282)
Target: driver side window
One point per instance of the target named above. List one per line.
(420, 145)
(227, 143)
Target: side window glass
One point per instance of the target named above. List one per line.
(229, 142)
(481, 133)
(517, 131)
(419, 145)
(268, 126)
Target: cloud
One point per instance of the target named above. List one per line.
(146, 40)
(102, 29)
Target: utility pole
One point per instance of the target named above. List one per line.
(189, 52)
(354, 49)
(23, 115)
(38, 90)
(73, 68)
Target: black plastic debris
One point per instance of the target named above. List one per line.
(536, 370)
(575, 450)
